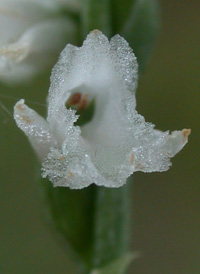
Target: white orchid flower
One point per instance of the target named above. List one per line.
(116, 141)
(32, 34)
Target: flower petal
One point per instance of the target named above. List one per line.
(155, 148)
(35, 127)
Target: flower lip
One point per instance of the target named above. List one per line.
(116, 141)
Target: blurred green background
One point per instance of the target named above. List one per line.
(166, 218)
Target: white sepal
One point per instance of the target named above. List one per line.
(35, 127)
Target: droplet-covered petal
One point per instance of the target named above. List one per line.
(156, 148)
(35, 127)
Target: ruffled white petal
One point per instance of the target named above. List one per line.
(35, 127)
(117, 141)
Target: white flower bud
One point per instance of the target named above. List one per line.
(117, 141)
(31, 36)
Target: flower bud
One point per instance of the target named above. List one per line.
(31, 36)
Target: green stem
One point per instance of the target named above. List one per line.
(96, 15)
(111, 224)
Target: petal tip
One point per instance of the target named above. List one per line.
(186, 133)
(21, 115)
(96, 31)
(19, 105)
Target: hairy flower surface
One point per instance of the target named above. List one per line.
(116, 141)
(32, 34)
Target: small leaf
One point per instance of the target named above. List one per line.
(118, 266)
(86, 218)
(72, 214)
